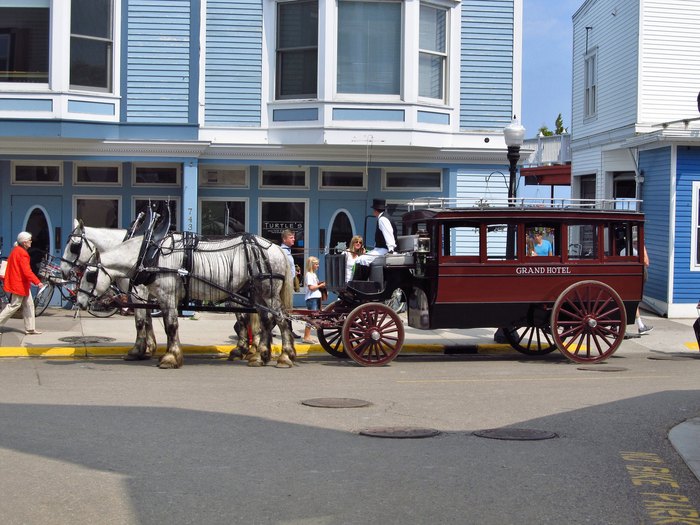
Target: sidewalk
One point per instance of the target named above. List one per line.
(65, 335)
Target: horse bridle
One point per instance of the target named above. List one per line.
(76, 247)
(90, 276)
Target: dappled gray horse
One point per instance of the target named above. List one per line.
(213, 271)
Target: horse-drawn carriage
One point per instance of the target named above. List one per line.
(461, 265)
(476, 266)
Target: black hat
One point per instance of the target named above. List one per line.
(378, 204)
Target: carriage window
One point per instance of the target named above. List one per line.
(501, 241)
(461, 240)
(97, 212)
(583, 241)
(541, 240)
(621, 239)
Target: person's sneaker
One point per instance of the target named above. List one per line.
(33, 332)
(645, 329)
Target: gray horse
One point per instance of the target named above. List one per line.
(83, 243)
(212, 271)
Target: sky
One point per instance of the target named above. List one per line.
(547, 43)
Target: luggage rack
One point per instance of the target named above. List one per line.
(460, 203)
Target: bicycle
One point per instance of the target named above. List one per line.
(50, 274)
(4, 297)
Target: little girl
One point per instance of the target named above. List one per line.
(313, 294)
(355, 249)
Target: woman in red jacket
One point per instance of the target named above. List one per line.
(18, 277)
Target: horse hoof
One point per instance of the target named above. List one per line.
(255, 363)
(167, 363)
(235, 354)
(283, 361)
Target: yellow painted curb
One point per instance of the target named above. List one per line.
(692, 346)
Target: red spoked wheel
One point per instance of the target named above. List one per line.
(588, 322)
(530, 340)
(331, 339)
(373, 334)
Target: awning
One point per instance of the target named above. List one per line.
(556, 175)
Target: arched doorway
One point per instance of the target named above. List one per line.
(341, 230)
(38, 226)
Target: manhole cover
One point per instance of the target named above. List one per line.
(399, 432)
(336, 402)
(515, 434)
(599, 368)
(86, 339)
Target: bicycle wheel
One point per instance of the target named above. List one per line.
(102, 308)
(4, 298)
(42, 299)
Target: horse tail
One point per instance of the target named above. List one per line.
(287, 292)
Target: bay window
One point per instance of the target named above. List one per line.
(297, 49)
(91, 45)
(432, 59)
(24, 41)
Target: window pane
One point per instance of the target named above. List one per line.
(156, 175)
(283, 178)
(583, 241)
(431, 73)
(141, 204)
(91, 18)
(342, 179)
(432, 29)
(90, 63)
(369, 47)
(461, 241)
(298, 73)
(541, 240)
(223, 217)
(298, 25)
(222, 177)
(37, 174)
(98, 213)
(413, 179)
(97, 175)
(501, 241)
(278, 216)
(24, 44)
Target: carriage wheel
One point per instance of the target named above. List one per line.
(331, 339)
(373, 334)
(588, 321)
(530, 340)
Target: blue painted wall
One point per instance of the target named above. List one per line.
(656, 194)
(686, 284)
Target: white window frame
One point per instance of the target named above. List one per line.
(695, 228)
(245, 200)
(117, 198)
(306, 201)
(174, 221)
(59, 57)
(321, 170)
(303, 169)
(110, 66)
(386, 171)
(49, 163)
(81, 164)
(201, 184)
(277, 52)
(176, 165)
(590, 84)
(444, 55)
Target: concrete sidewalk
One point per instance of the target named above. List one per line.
(83, 336)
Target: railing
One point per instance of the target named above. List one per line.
(555, 149)
(443, 203)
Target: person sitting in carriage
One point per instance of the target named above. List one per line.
(384, 240)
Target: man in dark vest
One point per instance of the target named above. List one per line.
(384, 236)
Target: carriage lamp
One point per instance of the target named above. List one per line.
(422, 251)
(514, 134)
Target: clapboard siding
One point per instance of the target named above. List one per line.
(486, 71)
(686, 284)
(158, 61)
(616, 40)
(233, 73)
(670, 72)
(656, 194)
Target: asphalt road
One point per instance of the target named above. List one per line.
(106, 441)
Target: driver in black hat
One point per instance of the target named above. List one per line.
(384, 237)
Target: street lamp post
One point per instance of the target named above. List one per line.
(514, 134)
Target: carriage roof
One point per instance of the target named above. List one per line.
(422, 210)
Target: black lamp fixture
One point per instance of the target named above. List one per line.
(514, 134)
